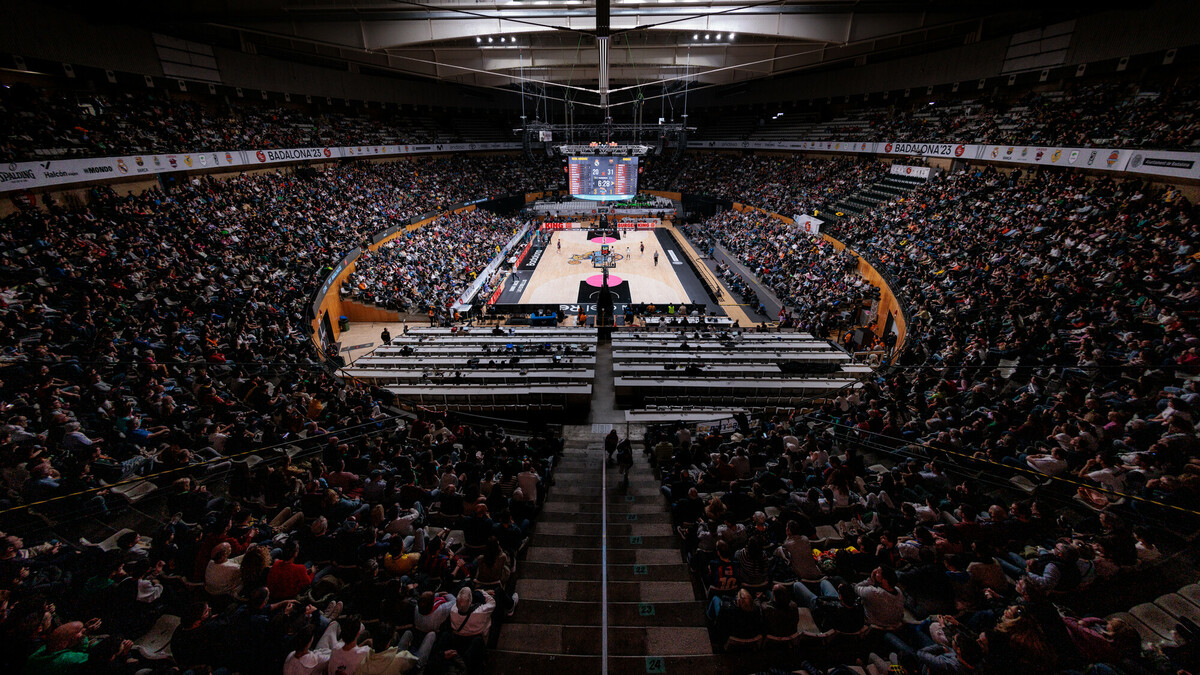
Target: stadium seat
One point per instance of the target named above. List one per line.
(1178, 606)
(734, 644)
(1155, 618)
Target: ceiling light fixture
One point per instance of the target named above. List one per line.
(707, 36)
(731, 36)
(489, 40)
(478, 39)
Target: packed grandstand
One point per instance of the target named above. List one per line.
(1001, 474)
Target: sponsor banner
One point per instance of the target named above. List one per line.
(54, 172)
(1102, 159)
(1164, 163)
(921, 172)
(949, 150)
(531, 257)
(25, 175)
(292, 155)
(810, 225)
(565, 226)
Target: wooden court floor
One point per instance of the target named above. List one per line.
(556, 279)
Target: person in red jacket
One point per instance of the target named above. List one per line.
(287, 577)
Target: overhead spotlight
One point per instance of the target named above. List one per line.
(478, 39)
(731, 36)
(718, 36)
(489, 39)
(707, 36)
(695, 36)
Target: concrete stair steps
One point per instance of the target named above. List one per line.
(592, 556)
(593, 540)
(558, 590)
(622, 640)
(614, 492)
(622, 506)
(637, 614)
(636, 572)
(618, 529)
(529, 663)
(613, 517)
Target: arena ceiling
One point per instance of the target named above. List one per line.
(553, 46)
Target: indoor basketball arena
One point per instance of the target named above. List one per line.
(530, 337)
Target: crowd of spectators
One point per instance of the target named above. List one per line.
(820, 287)
(1050, 335)
(1100, 115)
(167, 335)
(776, 183)
(46, 124)
(1089, 115)
(430, 267)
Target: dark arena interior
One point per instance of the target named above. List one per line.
(685, 337)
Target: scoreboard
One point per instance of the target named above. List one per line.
(603, 178)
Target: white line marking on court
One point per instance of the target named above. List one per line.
(674, 260)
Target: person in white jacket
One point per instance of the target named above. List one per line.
(306, 661)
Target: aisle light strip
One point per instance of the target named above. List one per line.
(603, 564)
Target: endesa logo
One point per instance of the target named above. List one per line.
(887, 148)
(958, 151)
(262, 156)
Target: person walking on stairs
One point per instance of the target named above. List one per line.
(610, 444)
(625, 460)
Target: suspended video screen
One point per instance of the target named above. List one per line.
(603, 178)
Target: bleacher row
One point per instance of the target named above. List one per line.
(486, 370)
(728, 368)
(890, 188)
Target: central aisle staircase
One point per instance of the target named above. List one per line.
(654, 623)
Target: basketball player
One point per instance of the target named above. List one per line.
(628, 255)
(656, 258)
(642, 246)
(559, 242)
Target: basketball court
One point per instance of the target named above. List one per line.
(563, 273)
